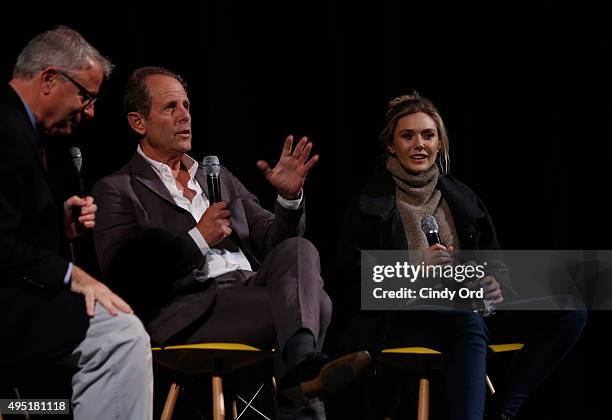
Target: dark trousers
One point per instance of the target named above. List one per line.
(265, 308)
(463, 336)
(548, 336)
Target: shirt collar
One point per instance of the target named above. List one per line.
(189, 163)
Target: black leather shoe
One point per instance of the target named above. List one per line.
(318, 375)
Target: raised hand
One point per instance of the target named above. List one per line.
(289, 174)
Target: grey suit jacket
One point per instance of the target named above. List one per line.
(145, 251)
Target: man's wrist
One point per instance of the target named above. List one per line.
(293, 204)
(292, 198)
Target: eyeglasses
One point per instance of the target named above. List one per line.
(88, 98)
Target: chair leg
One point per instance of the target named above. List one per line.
(392, 390)
(234, 409)
(170, 402)
(423, 413)
(26, 416)
(490, 386)
(218, 403)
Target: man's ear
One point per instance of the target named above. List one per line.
(136, 121)
(48, 78)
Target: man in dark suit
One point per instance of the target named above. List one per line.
(42, 316)
(228, 271)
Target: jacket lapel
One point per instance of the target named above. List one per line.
(145, 175)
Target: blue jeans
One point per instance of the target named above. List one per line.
(463, 336)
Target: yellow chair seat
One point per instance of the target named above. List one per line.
(194, 359)
(411, 350)
(500, 348)
(209, 346)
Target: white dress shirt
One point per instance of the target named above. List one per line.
(218, 261)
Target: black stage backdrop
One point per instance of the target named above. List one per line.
(524, 91)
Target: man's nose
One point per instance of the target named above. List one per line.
(184, 113)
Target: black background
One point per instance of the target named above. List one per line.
(524, 91)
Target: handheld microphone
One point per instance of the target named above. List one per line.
(77, 160)
(212, 168)
(429, 224)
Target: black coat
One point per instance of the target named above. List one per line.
(37, 315)
(373, 222)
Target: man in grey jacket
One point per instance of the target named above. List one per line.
(228, 271)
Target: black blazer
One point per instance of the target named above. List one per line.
(37, 316)
(373, 222)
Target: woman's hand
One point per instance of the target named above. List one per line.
(437, 254)
(492, 289)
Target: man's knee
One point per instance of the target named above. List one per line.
(128, 330)
(299, 258)
(300, 247)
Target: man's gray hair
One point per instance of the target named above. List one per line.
(61, 47)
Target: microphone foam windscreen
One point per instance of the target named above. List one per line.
(210, 165)
(77, 158)
(429, 224)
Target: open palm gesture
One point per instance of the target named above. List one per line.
(290, 172)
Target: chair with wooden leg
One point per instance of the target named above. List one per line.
(423, 361)
(419, 361)
(214, 359)
(501, 348)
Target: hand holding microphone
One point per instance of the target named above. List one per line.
(80, 209)
(436, 254)
(215, 222)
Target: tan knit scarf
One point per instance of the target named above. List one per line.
(416, 197)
